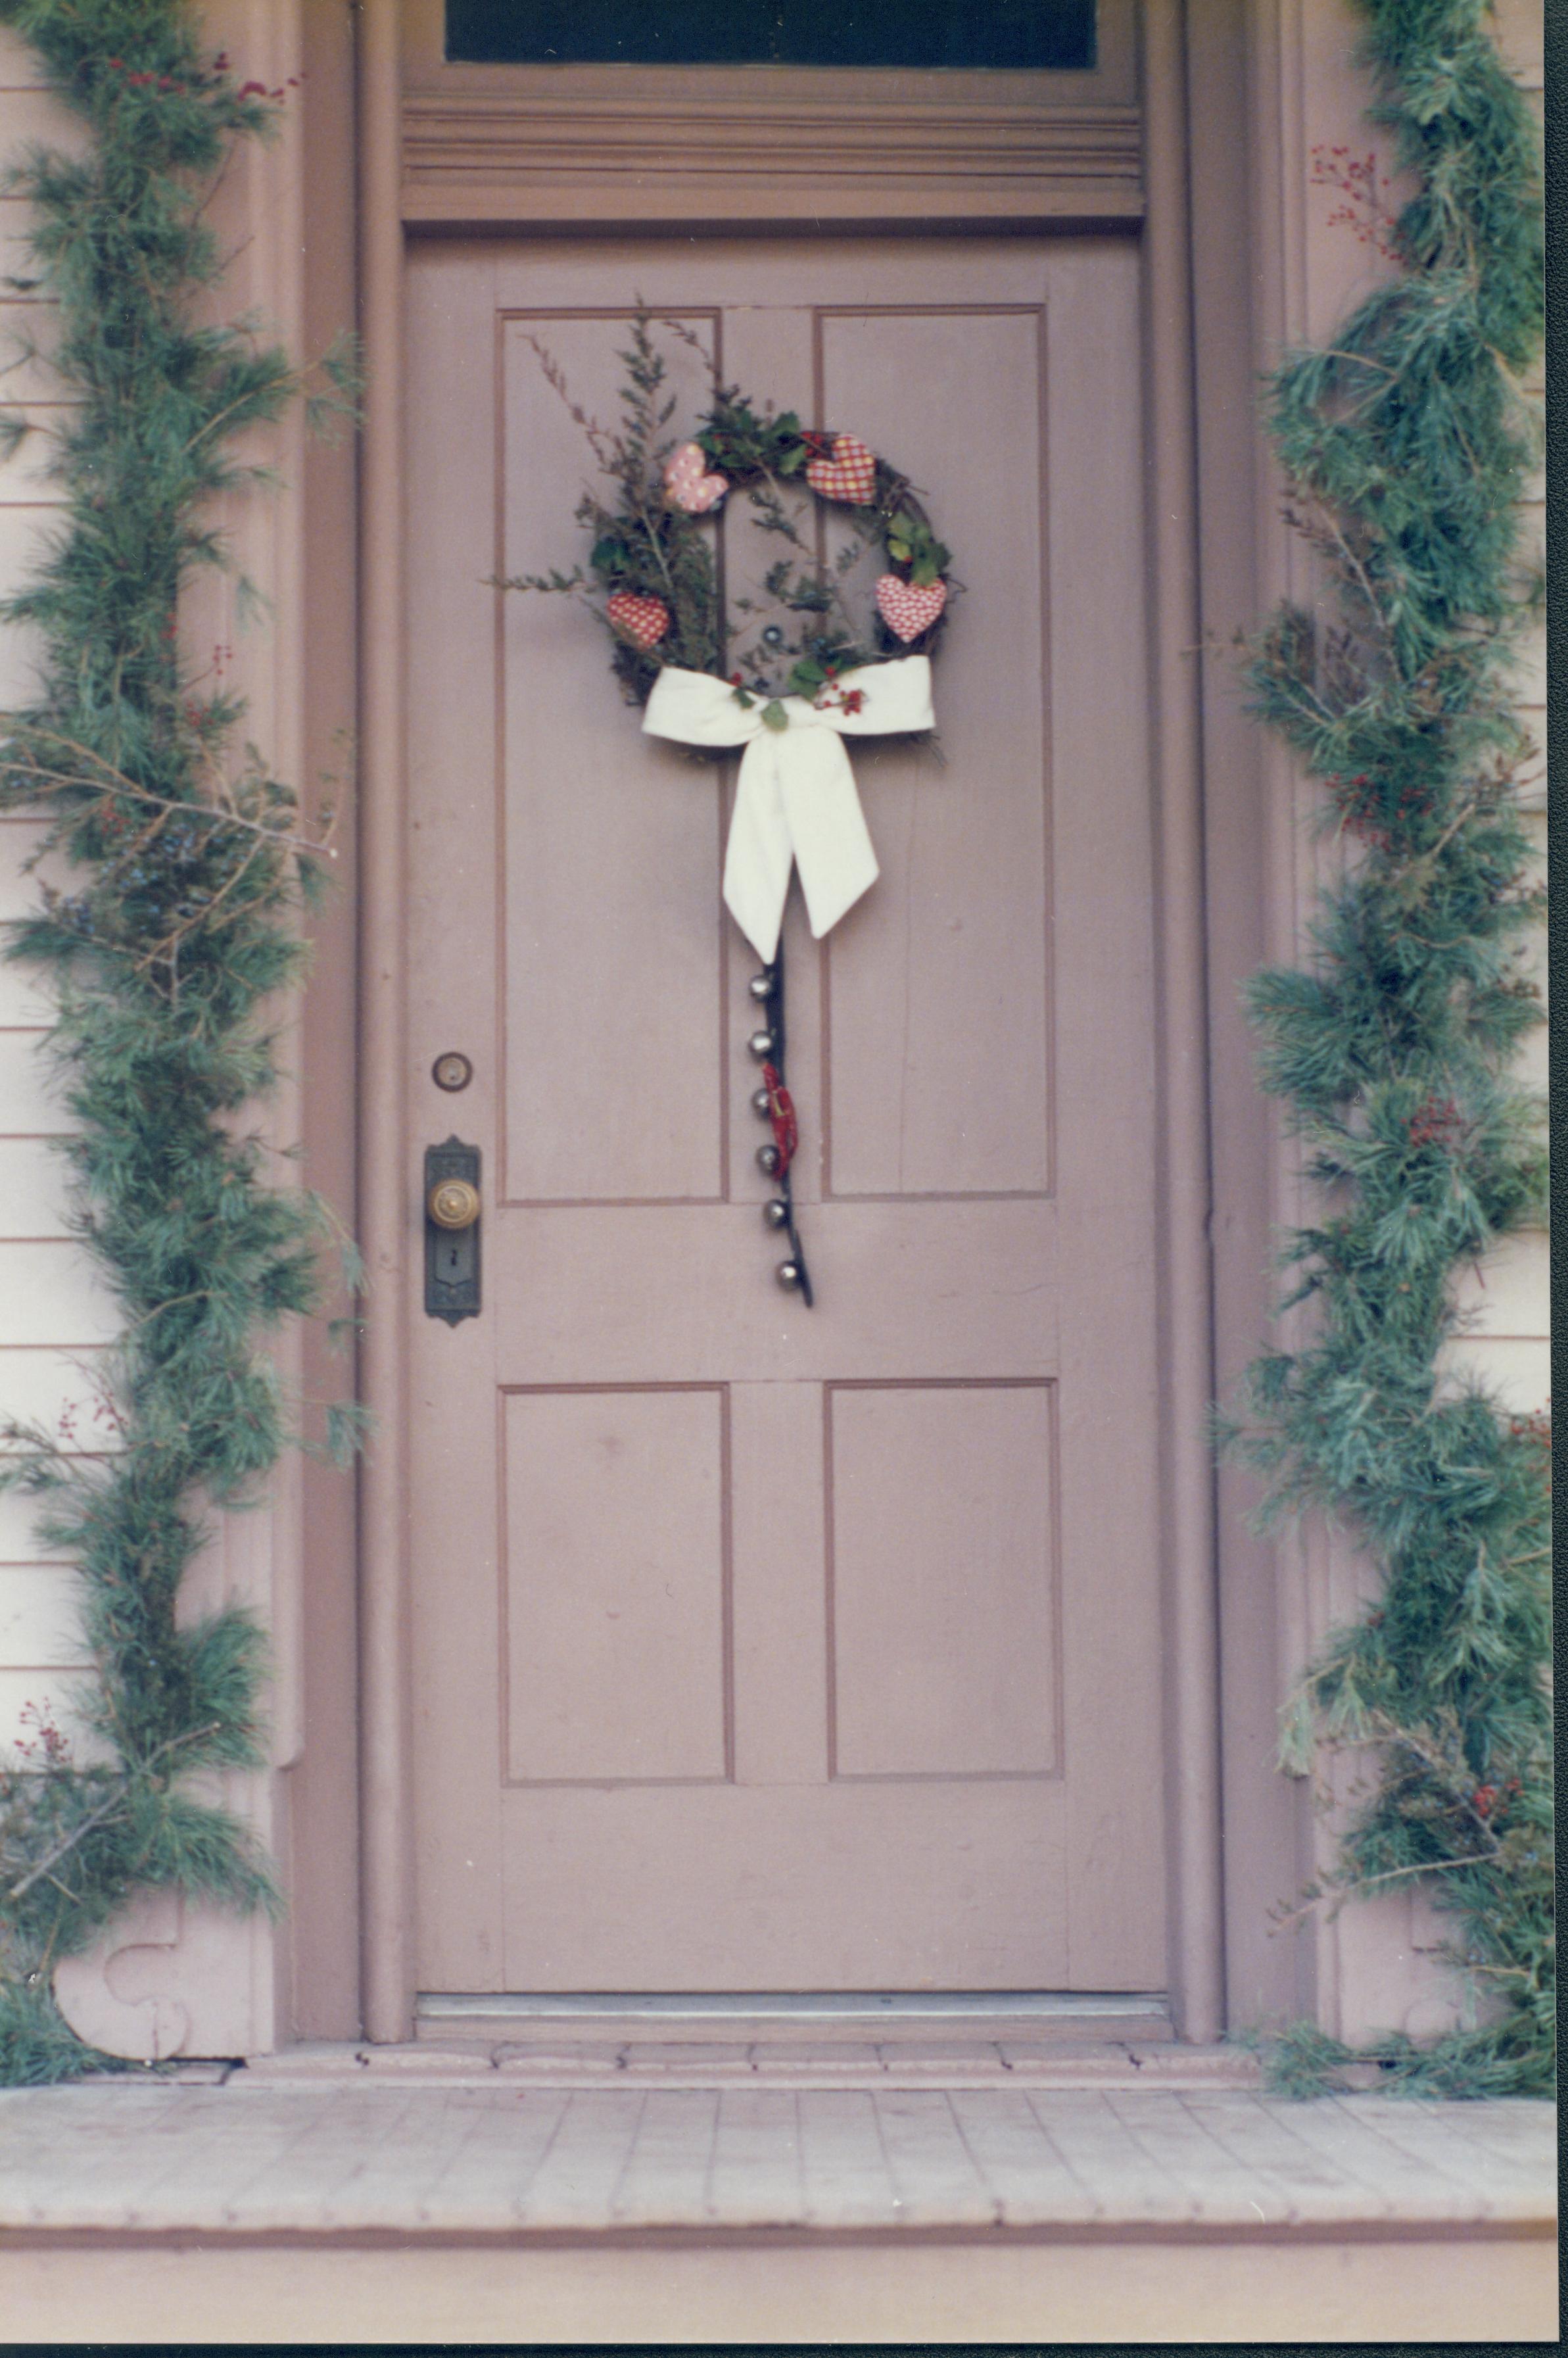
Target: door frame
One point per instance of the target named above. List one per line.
(388, 1212)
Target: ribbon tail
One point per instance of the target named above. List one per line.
(758, 856)
(828, 827)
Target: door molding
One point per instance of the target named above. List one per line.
(388, 1210)
(1185, 1180)
(389, 1231)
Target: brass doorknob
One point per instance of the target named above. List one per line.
(453, 1203)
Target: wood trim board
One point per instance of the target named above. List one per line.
(596, 146)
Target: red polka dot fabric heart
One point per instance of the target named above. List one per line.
(851, 474)
(909, 612)
(642, 620)
(688, 483)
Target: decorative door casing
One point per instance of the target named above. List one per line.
(767, 147)
(389, 1215)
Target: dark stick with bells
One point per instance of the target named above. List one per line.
(772, 1103)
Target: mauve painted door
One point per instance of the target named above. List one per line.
(755, 1647)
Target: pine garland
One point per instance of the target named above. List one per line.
(1405, 445)
(188, 864)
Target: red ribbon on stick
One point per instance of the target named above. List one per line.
(781, 1114)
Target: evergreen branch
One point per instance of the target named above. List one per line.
(178, 929)
(67, 1843)
(1394, 1051)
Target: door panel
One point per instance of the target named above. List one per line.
(952, 949)
(616, 1586)
(942, 1581)
(610, 932)
(758, 1647)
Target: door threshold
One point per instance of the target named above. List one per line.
(851, 2015)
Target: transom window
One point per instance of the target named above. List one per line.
(1051, 35)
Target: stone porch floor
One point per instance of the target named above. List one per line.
(703, 2192)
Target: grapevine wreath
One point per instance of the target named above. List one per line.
(799, 673)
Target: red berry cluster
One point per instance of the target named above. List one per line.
(50, 1748)
(1364, 211)
(1350, 796)
(1436, 1122)
(166, 85)
(1486, 1799)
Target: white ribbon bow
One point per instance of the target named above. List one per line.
(795, 800)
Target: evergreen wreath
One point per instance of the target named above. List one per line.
(650, 576)
(653, 582)
(188, 867)
(1405, 444)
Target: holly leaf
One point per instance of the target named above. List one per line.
(898, 550)
(807, 675)
(774, 716)
(924, 571)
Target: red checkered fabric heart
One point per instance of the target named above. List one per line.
(909, 612)
(642, 620)
(688, 483)
(851, 474)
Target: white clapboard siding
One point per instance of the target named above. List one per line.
(30, 1088)
(1506, 1303)
(54, 1311)
(1521, 32)
(39, 1615)
(57, 1695)
(1503, 1295)
(19, 1548)
(53, 1294)
(54, 1388)
(33, 1188)
(22, 529)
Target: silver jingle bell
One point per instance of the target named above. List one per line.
(768, 1159)
(761, 1044)
(761, 1103)
(762, 984)
(776, 1213)
(788, 1274)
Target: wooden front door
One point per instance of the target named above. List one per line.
(760, 1648)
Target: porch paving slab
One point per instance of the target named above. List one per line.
(824, 2062)
(411, 2158)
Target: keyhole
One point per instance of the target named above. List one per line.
(452, 1258)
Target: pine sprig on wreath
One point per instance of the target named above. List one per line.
(1405, 446)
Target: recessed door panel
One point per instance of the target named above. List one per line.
(609, 844)
(944, 1579)
(615, 1589)
(940, 991)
